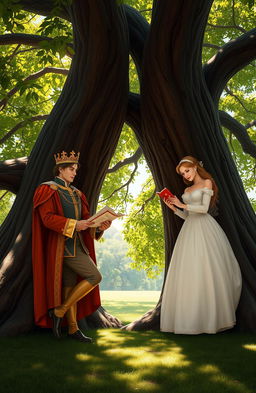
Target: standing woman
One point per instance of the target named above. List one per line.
(203, 283)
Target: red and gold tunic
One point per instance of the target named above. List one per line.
(49, 230)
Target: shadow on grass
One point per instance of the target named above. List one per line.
(124, 362)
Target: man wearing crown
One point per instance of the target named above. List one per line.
(65, 274)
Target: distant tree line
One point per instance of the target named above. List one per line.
(116, 268)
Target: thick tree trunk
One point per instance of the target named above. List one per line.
(11, 174)
(179, 117)
(88, 117)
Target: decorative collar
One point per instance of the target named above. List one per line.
(61, 182)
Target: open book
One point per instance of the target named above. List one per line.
(105, 214)
(165, 194)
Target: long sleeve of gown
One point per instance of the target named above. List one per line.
(181, 213)
(204, 207)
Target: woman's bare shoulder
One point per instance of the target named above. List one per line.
(208, 183)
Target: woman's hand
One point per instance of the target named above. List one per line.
(169, 204)
(175, 201)
(172, 202)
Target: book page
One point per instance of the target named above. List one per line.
(105, 214)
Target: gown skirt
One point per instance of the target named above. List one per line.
(203, 283)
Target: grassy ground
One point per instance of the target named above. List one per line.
(126, 362)
(129, 305)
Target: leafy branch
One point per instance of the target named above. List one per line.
(152, 196)
(21, 124)
(240, 133)
(127, 161)
(23, 85)
(125, 185)
(230, 92)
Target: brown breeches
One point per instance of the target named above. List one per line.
(82, 265)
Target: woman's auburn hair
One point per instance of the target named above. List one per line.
(201, 172)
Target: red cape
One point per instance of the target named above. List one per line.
(47, 255)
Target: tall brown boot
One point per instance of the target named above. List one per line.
(77, 293)
(71, 313)
(73, 330)
(57, 320)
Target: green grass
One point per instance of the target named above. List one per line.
(125, 362)
(129, 305)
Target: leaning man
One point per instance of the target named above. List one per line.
(65, 274)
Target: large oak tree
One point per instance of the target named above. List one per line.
(175, 114)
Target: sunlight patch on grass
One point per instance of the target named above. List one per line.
(228, 383)
(221, 379)
(144, 357)
(108, 337)
(250, 347)
(208, 368)
(134, 382)
(83, 357)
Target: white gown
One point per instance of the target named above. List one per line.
(203, 283)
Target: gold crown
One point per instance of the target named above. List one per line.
(63, 158)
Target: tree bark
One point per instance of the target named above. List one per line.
(11, 174)
(232, 57)
(179, 117)
(88, 117)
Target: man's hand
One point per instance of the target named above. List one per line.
(81, 225)
(104, 225)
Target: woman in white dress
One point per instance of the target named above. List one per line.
(203, 283)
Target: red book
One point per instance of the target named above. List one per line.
(165, 194)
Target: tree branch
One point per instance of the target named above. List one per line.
(22, 39)
(11, 173)
(2, 196)
(251, 124)
(123, 185)
(36, 75)
(14, 52)
(20, 125)
(127, 161)
(230, 59)
(138, 32)
(133, 114)
(230, 92)
(27, 39)
(234, 26)
(44, 7)
(213, 46)
(146, 10)
(152, 196)
(239, 131)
